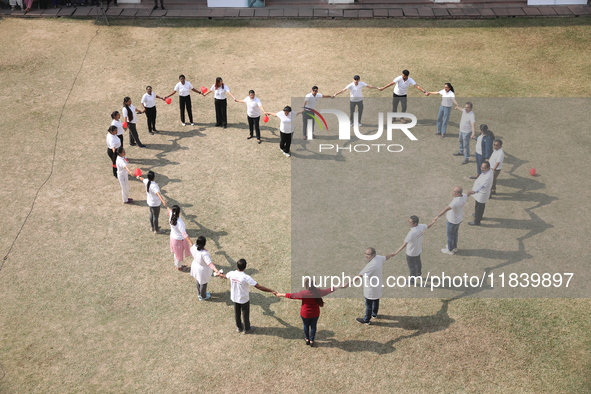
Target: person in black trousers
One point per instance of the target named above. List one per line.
(184, 87)
(221, 105)
(129, 113)
(149, 104)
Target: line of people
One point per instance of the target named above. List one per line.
(254, 106)
(202, 267)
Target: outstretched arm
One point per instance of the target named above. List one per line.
(386, 86)
(400, 248)
(339, 92)
(390, 255)
(441, 213)
(420, 88)
(265, 289)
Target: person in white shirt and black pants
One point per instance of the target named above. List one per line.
(253, 114)
(285, 128)
(129, 114)
(149, 104)
(402, 83)
(184, 87)
(113, 145)
(240, 295)
(221, 104)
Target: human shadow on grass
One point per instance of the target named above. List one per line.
(534, 226)
(258, 300)
(420, 325)
(180, 135)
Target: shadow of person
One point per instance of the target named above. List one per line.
(420, 325)
(355, 345)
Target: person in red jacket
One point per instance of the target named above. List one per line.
(310, 310)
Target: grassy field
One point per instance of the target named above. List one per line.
(90, 299)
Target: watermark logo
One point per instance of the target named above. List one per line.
(318, 118)
(345, 130)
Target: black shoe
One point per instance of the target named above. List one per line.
(142, 146)
(249, 137)
(151, 132)
(155, 131)
(473, 177)
(155, 7)
(458, 154)
(162, 7)
(466, 161)
(374, 316)
(249, 331)
(473, 224)
(362, 321)
(130, 144)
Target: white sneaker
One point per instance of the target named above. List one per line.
(192, 124)
(288, 154)
(360, 124)
(184, 124)
(445, 251)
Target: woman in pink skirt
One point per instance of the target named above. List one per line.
(180, 242)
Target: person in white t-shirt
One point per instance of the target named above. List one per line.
(401, 84)
(180, 242)
(448, 98)
(496, 163)
(467, 123)
(130, 114)
(113, 144)
(372, 284)
(454, 216)
(116, 121)
(414, 246)
(184, 88)
(154, 199)
(202, 268)
(309, 104)
(149, 104)
(122, 174)
(221, 104)
(253, 114)
(356, 97)
(285, 128)
(481, 192)
(240, 284)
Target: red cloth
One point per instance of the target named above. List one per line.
(310, 307)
